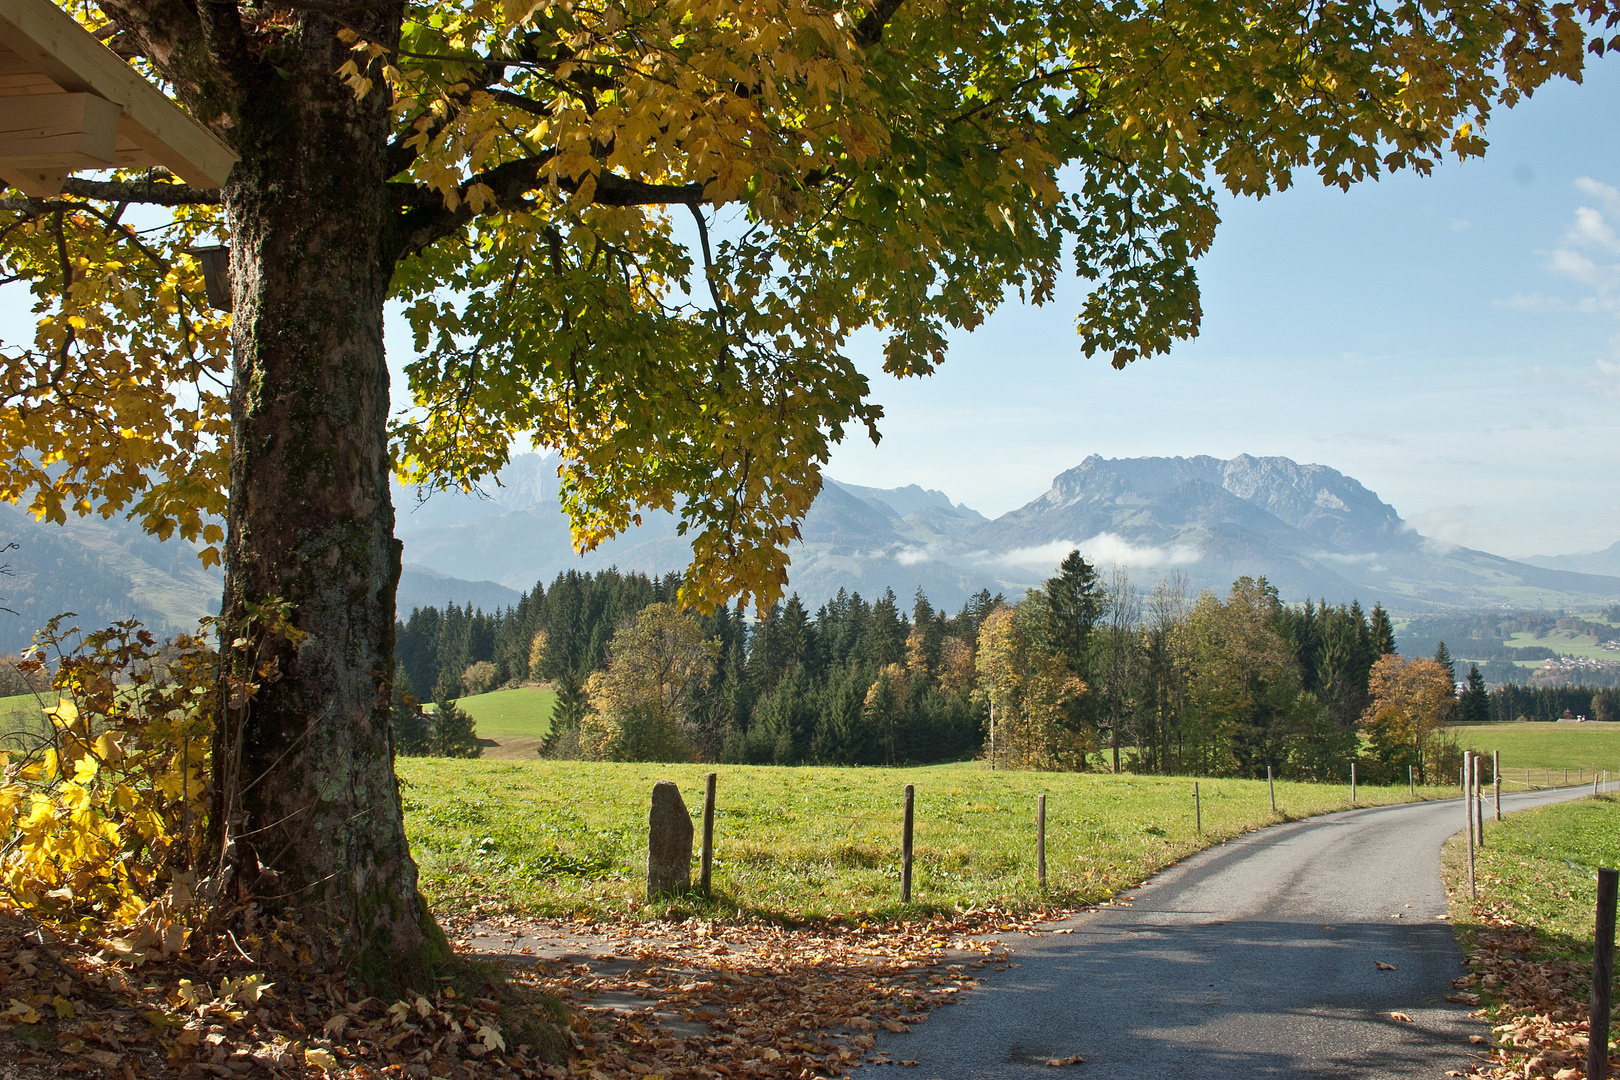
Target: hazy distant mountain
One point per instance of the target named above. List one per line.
(1311, 530)
(421, 587)
(1606, 561)
(101, 570)
(105, 571)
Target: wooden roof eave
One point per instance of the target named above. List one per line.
(76, 105)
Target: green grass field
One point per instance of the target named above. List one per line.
(1538, 747)
(555, 838)
(1564, 643)
(1526, 878)
(519, 712)
(21, 713)
(511, 723)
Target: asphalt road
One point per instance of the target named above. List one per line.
(1255, 958)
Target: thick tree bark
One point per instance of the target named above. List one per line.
(313, 798)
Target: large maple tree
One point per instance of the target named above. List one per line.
(640, 233)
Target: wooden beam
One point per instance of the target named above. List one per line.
(49, 41)
(79, 131)
(38, 182)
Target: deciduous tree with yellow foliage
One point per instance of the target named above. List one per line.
(1411, 702)
(538, 183)
(657, 663)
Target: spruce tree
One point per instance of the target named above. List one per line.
(1073, 603)
(1475, 706)
(454, 732)
(1383, 631)
(1442, 656)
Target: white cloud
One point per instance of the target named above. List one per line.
(1582, 268)
(1591, 230)
(1590, 239)
(1537, 302)
(1608, 380)
(1607, 194)
(1104, 549)
(911, 556)
(1444, 527)
(1335, 556)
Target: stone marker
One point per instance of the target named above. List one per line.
(669, 843)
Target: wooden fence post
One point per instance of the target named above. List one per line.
(1496, 778)
(1411, 782)
(708, 831)
(1479, 801)
(1597, 1048)
(1352, 783)
(1198, 810)
(1040, 838)
(1272, 784)
(1468, 823)
(905, 850)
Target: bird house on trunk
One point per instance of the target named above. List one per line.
(69, 103)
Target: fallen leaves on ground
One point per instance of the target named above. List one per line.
(1400, 1018)
(699, 999)
(1073, 1059)
(1381, 966)
(77, 1008)
(693, 1000)
(1542, 1003)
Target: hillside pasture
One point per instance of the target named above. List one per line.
(1564, 643)
(1542, 746)
(515, 721)
(562, 838)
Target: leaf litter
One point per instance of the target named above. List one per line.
(688, 1000)
(702, 999)
(1540, 1003)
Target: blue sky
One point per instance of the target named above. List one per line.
(1453, 342)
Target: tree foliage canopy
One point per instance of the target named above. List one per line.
(643, 233)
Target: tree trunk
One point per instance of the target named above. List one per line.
(313, 798)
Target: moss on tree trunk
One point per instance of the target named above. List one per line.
(311, 521)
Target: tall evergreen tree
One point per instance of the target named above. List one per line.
(1475, 706)
(1074, 602)
(1383, 631)
(1442, 656)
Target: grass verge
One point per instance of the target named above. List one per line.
(1528, 937)
(568, 839)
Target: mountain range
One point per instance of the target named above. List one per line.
(1311, 530)
(1606, 561)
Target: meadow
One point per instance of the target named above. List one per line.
(1564, 643)
(1556, 747)
(569, 838)
(511, 723)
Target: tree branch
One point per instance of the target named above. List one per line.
(140, 191)
(615, 190)
(869, 31)
(170, 33)
(423, 218)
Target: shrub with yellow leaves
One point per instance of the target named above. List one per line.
(103, 812)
